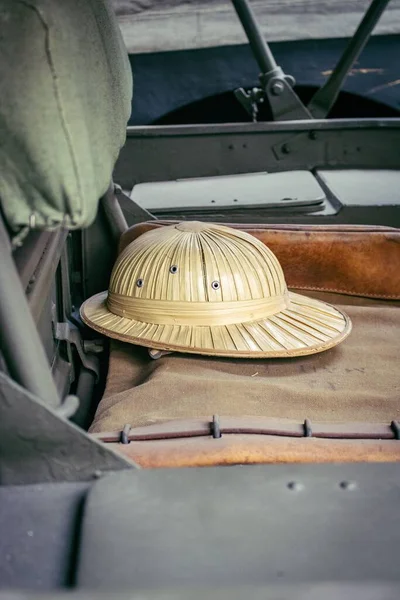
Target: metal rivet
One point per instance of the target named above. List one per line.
(140, 283)
(348, 485)
(295, 486)
(277, 88)
(286, 149)
(173, 269)
(215, 285)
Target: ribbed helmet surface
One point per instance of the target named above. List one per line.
(197, 262)
(209, 289)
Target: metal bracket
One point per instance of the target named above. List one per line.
(68, 332)
(276, 86)
(250, 100)
(283, 100)
(295, 144)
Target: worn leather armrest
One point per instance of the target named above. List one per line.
(349, 259)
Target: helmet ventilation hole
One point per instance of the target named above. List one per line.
(215, 285)
(140, 283)
(173, 269)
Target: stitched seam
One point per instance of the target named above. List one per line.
(57, 95)
(340, 291)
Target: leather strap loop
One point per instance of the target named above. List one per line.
(255, 425)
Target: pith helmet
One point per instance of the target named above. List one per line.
(209, 289)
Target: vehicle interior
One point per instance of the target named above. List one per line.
(111, 453)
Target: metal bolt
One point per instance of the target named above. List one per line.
(277, 88)
(313, 135)
(285, 149)
(295, 486)
(348, 485)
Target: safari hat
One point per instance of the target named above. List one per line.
(209, 289)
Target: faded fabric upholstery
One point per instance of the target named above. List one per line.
(357, 380)
(66, 90)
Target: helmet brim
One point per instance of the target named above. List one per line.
(307, 326)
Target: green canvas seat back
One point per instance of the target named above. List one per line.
(66, 88)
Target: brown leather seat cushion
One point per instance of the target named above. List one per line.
(355, 381)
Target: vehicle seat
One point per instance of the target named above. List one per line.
(339, 405)
(65, 102)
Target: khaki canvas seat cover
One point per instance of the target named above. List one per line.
(353, 383)
(66, 90)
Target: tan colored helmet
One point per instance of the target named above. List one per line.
(209, 289)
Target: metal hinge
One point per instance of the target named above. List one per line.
(68, 332)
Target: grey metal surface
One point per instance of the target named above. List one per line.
(132, 212)
(38, 446)
(184, 152)
(20, 342)
(100, 239)
(114, 214)
(43, 268)
(359, 187)
(282, 191)
(26, 256)
(39, 527)
(369, 590)
(43, 276)
(324, 99)
(243, 525)
(176, 152)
